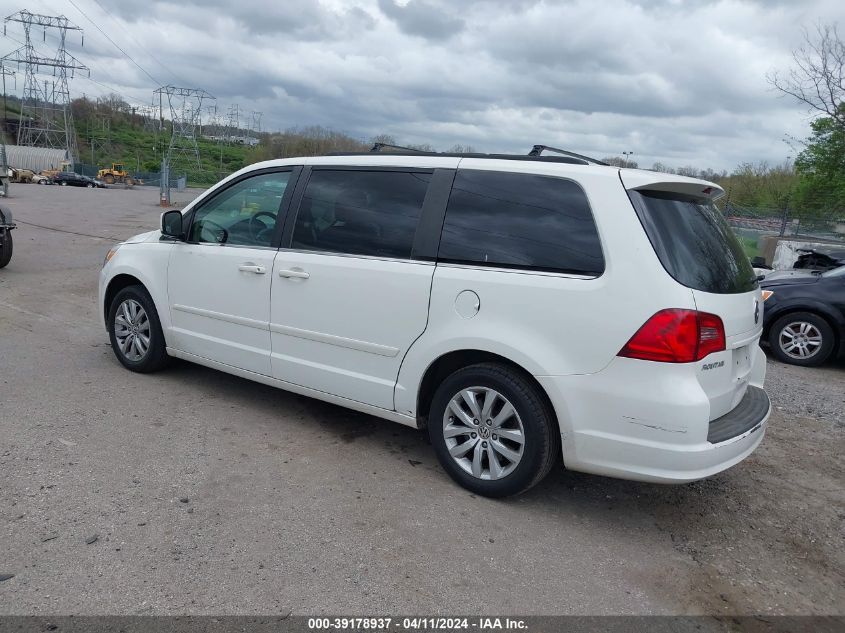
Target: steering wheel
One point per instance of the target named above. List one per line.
(259, 234)
(206, 225)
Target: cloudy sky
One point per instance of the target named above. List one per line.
(681, 82)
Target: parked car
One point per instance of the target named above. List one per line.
(65, 178)
(7, 224)
(27, 175)
(804, 321)
(523, 309)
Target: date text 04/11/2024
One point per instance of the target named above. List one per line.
(418, 623)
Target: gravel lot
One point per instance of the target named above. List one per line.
(212, 494)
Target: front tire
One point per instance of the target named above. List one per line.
(802, 338)
(6, 249)
(135, 331)
(63, 183)
(492, 430)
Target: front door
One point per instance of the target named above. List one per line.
(219, 279)
(348, 301)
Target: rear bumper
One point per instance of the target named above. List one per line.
(648, 422)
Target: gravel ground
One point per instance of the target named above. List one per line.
(817, 392)
(209, 494)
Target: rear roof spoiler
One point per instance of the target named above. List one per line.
(641, 179)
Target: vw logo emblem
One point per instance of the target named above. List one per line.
(756, 312)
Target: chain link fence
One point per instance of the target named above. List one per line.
(758, 226)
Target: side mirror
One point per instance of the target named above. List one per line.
(171, 224)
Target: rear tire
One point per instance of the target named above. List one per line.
(6, 249)
(508, 453)
(132, 315)
(802, 338)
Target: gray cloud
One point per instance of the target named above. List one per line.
(676, 82)
(431, 21)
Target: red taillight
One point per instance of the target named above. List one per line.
(677, 336)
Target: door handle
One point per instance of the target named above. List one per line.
(297, 274)
(252, 268)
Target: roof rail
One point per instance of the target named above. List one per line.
(377, 147)
(537, 150)
(415, 152)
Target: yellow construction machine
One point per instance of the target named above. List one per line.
(116, 174)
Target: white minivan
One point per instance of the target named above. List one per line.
(523, 309)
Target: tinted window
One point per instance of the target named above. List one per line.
(361, 212)
(694, 242)
(244, 214)
(520, 221)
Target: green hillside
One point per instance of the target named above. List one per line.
(109, 131)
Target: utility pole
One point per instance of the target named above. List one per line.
(627, 156)
(46, 119)
(5, 71)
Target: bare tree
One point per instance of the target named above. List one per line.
(618, 161)
(817, 78)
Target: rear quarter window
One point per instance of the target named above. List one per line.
(694, 243)
(510, 220)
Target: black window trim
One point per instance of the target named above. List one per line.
(281, 217)
(427, 233)
(496, 266)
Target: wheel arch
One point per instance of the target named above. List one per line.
(450, 362)
(116, 284)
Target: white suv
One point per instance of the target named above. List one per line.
(522, 308)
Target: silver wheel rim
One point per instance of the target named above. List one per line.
(132, 330)
(483, 433)
(800, 340)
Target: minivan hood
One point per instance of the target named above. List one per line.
(789, 277)
(149, 236)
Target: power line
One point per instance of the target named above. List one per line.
(127, 55)
(94, 81)
(141, 46)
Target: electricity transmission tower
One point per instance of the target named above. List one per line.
(212, 123)
(46, 119)
(234, 123)
(255, 124)
(151, 118)
(185, 105)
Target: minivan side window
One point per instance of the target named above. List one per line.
(244, 214)
(359, 212)
(511, 220)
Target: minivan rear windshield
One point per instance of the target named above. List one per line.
(694, 242)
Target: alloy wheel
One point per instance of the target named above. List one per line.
(800, 340)
(483, 433)
(132, 330)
